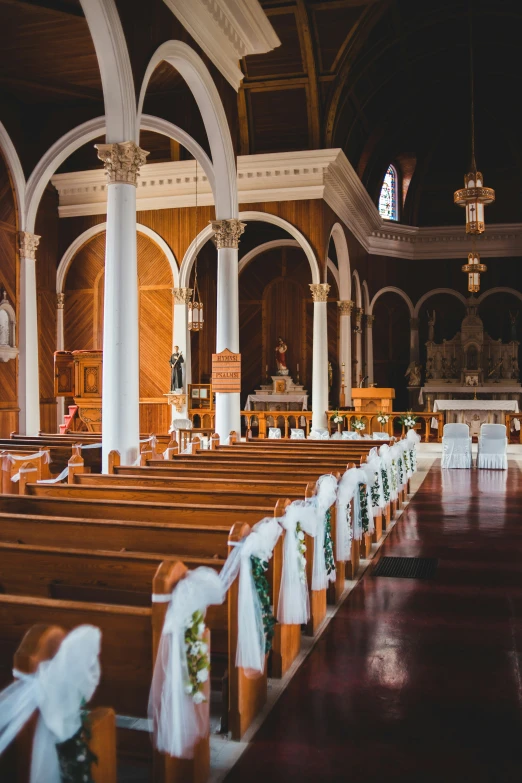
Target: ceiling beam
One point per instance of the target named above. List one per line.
(50, 87)
(311, 69)
(54, 7)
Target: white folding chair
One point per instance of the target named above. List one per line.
(492, 447)
(456, 446)
(274, 433)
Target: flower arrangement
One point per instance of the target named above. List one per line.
(409, 420)
(337, 418)
(365, 513)
(413, 460)
(383, 418)
(394, 476)
(358, 425)
(328, 544)
(75, 756)
(198, 658)
(301, 547)
(375, 491)
(406, 460)
(259, 569)
(400, 471)
(385, 485)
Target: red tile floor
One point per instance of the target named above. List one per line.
(416, 681)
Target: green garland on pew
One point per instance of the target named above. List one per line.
(406, 458)
(259, 569)
(401, 472)
(385, 485)
(413, 460)
(363, 497)
(394, 476)
(75, 756)
(375, 492)
(328, 544)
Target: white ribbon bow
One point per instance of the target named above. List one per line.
(178, 723)
(325, 494)
(57, 690)
(294, 604)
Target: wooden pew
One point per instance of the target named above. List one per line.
(41, 643)
(60, 453)
(11, 463)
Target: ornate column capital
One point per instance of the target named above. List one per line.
(181, 295)
(369, 321)
(414, 323)
(319, 291)
(345, 307)
(27, 244)
(60, 299)
(122, 161)
(227, 232)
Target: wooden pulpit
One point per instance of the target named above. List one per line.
(373, 400)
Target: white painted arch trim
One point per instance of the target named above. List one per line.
(262, 217)
(358, 295)
(434, 292)
(335, 274)
(366, 297)
(17, 174)
(499, 290)
(88, 131)
(93, 231)
(264, 248)
(344, 281)
(391, 289)
(197, 76)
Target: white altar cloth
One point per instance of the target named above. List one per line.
(476, 405)
(449, 388)
(302, 399)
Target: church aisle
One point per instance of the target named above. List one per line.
(416, 681)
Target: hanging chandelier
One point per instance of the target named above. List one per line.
(195, 306)
(474, 267)
(474, 196)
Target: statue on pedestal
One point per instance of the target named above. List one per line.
(414, 373)
(280, 352)
(176, 375)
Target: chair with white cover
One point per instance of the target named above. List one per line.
(351, 435)
(319, 433)
(274, 433)
(456, 446)
(297, 434)
(380, 436)
(492, 447)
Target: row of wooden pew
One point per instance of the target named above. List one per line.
(91, 550)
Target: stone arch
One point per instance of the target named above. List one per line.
(335, 274)
(82, 239)
(197, 76)
(115, 68)
(366, 297)
(499, 290)
(434, 292)
(358, 294)
(393, 290)
(343, 260)
(262, 217)
(256, 251)
(17, 175)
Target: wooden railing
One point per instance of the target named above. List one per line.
(510, 418)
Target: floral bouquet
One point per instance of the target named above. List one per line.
(337, 418)
(358, 425)
(382, 418)
(409, 420)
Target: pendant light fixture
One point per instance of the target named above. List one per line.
(195, 307)
(473, 196)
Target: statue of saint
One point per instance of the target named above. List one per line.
(280, 352)
(414, 372)
(431, 327)
(330, 376)
(176, 375)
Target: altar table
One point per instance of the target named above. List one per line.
(474, 413)
(277, 399)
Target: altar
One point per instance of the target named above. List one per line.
(474, 413)
(276, 402)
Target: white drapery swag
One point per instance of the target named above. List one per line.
(373, 468)
(413, 438)
(57, 689)
(178, 722)
(348, 489)
(250, 654)
(294, 604)
(386, 458)
(325, 495)
(343, 544)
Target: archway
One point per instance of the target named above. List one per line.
(391, 344)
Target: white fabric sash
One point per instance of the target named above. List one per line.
(294, 604)
(57, 689)
(63, 475)
(343, 544)
(178, 722)
(349, 488)
(250, 654)
(373, 468)
(325, 494)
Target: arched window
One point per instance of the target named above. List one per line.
(389, 198)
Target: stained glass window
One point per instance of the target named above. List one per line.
(388, 203)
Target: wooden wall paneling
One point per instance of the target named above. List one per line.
(251, 340)
(78, 320)
(155, 342)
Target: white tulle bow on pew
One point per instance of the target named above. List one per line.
(178, 719)
(372, 468)
(404, 447)
(398, 465)
(348, 489)
(386, 456)
(324, 498)
(294, 604)
(251, 641)
(57, 690)
(413, 438)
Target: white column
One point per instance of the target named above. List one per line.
(320, 355)
(368, 322)
(226, 237)
(60, 401)
(414, 340)
(181, 338)
(345, 347)
(121, 388)
(28, 382)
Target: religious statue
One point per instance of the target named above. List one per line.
(429, 369)
(514, 368)
(176, 376)
(513, 320)
(280, 352)
(496, 370)
(330, 376)
(431, 327)
(414, 372)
